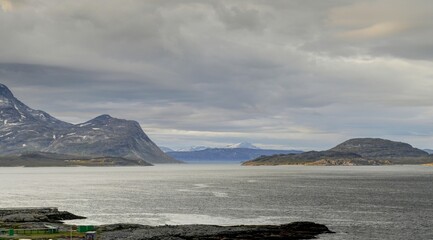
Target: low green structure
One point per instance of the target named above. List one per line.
(85, 228)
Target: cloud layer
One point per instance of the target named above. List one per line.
(291, 74)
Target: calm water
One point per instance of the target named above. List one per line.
(386, 202)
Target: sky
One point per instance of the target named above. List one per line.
(301, 74)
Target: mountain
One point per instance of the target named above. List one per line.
(191, 149)
(242, 145)
(108, 136)
(231, 146)
(379, 148)
(24, 130)
(358, 151)
(429, 151)
(166, 149)
(236, 155)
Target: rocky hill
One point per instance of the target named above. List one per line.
(24, 130)
(358, 151)
(379, 148)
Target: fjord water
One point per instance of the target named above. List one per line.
(371, 202)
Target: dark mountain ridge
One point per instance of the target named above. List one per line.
(23, 130)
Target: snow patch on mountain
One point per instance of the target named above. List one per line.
(242, 145)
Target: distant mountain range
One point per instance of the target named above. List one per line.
(190, 149)
(235, 153)
(358, 151)
(199, 148)
(242, 145)
(165, 149)
(429, 151)
(25, 130)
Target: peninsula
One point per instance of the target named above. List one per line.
(357, 151)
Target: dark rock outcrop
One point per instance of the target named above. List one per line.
(35, 215)
(23, 130)
(291, 231)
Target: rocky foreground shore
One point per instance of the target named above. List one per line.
(291, 231)
(33, 218)
(20, 215)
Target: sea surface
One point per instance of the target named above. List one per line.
(370, 202)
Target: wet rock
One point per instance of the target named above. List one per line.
(36, 215)
(291, 231)
(26, 217)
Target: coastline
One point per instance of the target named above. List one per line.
(44, 223)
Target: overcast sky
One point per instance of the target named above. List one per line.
(303, 74)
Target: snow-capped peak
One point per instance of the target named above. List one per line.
(192, 149)
(242, 145)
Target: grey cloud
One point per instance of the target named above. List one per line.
(287, 73)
